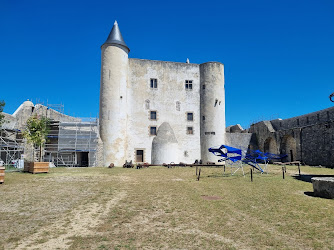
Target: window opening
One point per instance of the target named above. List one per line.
(190, 130)
(154, 83)
(189, 85)
(153, 115)
(153, 130)
(190, 116)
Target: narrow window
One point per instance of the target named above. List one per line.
(203, 87)
(298, 122)
(154, 83)
(190, 131)
(153, 130)
(280, 124)
(189, 85)
(147, 104)
(178, 106)
(153, 115)
(328, 115)
(318, 117)
(190, 116)
(307, 120)
(203, 118)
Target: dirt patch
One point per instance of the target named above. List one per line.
(81, 222)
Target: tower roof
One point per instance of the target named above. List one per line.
(115, 37)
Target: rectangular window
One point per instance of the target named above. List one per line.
(153, 130)
(153, 115)
(154, 83)
(189, 85)
(190, 131)
(190, 116)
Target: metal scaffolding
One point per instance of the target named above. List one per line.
(72, 144)
(11, 149)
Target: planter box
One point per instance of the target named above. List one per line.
(39, 167)
(2, 175)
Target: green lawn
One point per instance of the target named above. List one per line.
(101, 208)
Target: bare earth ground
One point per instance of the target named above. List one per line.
(101, 208)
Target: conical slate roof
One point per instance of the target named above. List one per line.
(115, 37)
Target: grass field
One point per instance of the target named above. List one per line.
(101, 208)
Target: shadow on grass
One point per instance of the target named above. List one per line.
(308, 177)
(311, 194)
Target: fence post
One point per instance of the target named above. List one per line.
(199, 174)
(283, 172)
(251, 171)
(299, 169)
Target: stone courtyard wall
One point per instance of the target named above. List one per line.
(308, 138)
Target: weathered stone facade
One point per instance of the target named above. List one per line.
(308, 138)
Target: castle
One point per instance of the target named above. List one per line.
(156, 111)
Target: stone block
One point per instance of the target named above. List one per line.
(323, 187)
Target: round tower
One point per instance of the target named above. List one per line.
(212, 108)
(164, 146)
(113, 98)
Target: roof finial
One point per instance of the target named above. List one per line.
(188, 60)
(115, 23)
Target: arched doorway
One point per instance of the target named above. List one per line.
(270, 146)
(289, 148)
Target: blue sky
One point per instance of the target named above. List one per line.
(278, 55)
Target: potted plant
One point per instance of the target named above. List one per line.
(36, 133)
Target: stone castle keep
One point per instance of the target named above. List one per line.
(158, 112)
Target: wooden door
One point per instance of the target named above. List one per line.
(139, 155)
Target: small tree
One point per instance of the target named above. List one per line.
(2, 104)
(36, 132)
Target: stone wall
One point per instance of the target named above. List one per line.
(238, 140)
(170, 100)
(308, 138)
